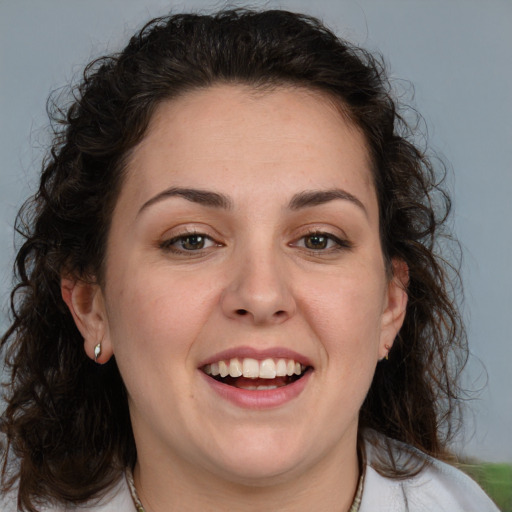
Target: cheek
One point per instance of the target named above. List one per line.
(156, 313)
(345, 310)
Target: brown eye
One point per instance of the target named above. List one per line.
(316, 242)
(192, 242)
(188, 243)
(322, 243)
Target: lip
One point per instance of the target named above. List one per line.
(258, 399)
(260, 355)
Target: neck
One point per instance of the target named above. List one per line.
(328, 485)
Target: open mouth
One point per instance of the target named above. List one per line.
(252, 374)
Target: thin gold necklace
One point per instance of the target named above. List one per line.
(133, 491)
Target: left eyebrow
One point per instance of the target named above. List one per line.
(310, 198)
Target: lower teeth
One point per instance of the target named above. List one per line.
(257, 388)
(245, 383)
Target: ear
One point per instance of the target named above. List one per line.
(395, 306)
(86, 304)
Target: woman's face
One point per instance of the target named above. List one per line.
(246, 239)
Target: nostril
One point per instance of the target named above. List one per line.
(241, 312)
(280, 313)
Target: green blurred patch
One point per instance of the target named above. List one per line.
(495, 480)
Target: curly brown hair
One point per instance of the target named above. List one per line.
(66, 421)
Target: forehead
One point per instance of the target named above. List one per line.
(226, 133)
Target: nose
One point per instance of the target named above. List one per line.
(258, 291)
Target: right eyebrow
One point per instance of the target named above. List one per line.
(204, 197)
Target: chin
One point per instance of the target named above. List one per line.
(260, 458)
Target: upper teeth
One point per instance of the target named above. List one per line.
(254, 369)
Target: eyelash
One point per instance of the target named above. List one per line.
(339, 244)
(168, 245)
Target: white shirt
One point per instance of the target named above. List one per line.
(438, 487)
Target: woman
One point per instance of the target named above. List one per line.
(228, 294)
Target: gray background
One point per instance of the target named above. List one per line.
(458, 55)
